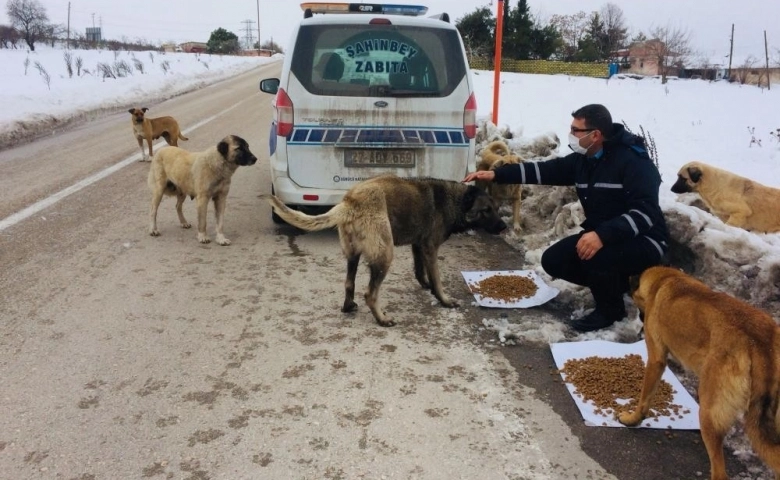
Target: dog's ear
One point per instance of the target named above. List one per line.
(469, 197)
(223, 147)
(498, 163)
(131, 111)
(694, 173)
(633, 283)
(144, 109)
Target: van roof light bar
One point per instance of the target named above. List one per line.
(311, 8)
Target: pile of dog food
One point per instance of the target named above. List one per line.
(605, 380)
(508, 288)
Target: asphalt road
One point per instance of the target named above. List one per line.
(126, 356)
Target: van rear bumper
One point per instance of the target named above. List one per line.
(292, 194)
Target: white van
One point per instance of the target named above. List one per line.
(368, 89)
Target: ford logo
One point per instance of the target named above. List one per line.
(380, 104)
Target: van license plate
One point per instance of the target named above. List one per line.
(379, 158)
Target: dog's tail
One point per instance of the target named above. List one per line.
(306, 222)
(182, 137)
(762, 420)
(498, 147)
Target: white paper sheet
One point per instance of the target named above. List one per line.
(599, 348)
(544, 292)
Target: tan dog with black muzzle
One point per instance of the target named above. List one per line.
(203, 176)
(151, 129)
(738, 201)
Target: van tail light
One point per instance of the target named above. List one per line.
(470, 117)
(284, 114)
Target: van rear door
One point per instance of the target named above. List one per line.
(377, 98)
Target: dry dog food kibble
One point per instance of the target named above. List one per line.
(605, 380)
(508, 288)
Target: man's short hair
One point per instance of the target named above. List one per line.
(595, 116)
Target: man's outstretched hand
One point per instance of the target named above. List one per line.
(486, 175)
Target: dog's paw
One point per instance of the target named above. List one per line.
(385, 322)
(449, 303)
(349, 306)
(630, 419)
(202, 238)
(154, 233)
(186, 225)
(221, 240)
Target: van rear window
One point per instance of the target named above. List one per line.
(378, 60)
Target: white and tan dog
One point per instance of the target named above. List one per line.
(738, 201)
(202, 176)
(151, 129)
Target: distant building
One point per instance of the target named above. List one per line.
(193, 47)
(94, 34)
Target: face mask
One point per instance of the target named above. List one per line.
(574, 144)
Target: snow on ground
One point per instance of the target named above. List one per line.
(38, 93)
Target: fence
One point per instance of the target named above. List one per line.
(599, 70)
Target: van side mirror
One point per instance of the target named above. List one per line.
(269, 85)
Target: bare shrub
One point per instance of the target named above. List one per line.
(44, 74)
(68, 63)
(166, 66)
(139, 65)
(26, 64)
(79, 65)
(105, 70)
(122, 69)
(151, 56)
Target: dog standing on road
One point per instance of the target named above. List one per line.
(738, 201)
(151, 129)
(388, 210)
(732, 347)
(202, 176)
(494, 155)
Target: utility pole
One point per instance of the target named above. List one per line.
(258, 24)
(766, 52)
(731, 52)
(248, 33)
(68, 42)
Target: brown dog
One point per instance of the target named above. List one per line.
(387, 210)
(732, 347)
(202, 176)
(494, 155)
(738, 201)
(150, 129)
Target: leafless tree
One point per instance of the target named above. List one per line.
(614, 27)
(8, 36)
(29, 18)
(572, 29)
(743, 70)
(670, 47)
(55, 32)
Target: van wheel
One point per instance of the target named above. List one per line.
(274, 217)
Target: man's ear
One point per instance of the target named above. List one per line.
(694, 173)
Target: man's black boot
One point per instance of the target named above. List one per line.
(607, 290)
(595, 320)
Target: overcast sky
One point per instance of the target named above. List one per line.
(193, 20)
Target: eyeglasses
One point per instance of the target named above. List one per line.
(577, 130)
